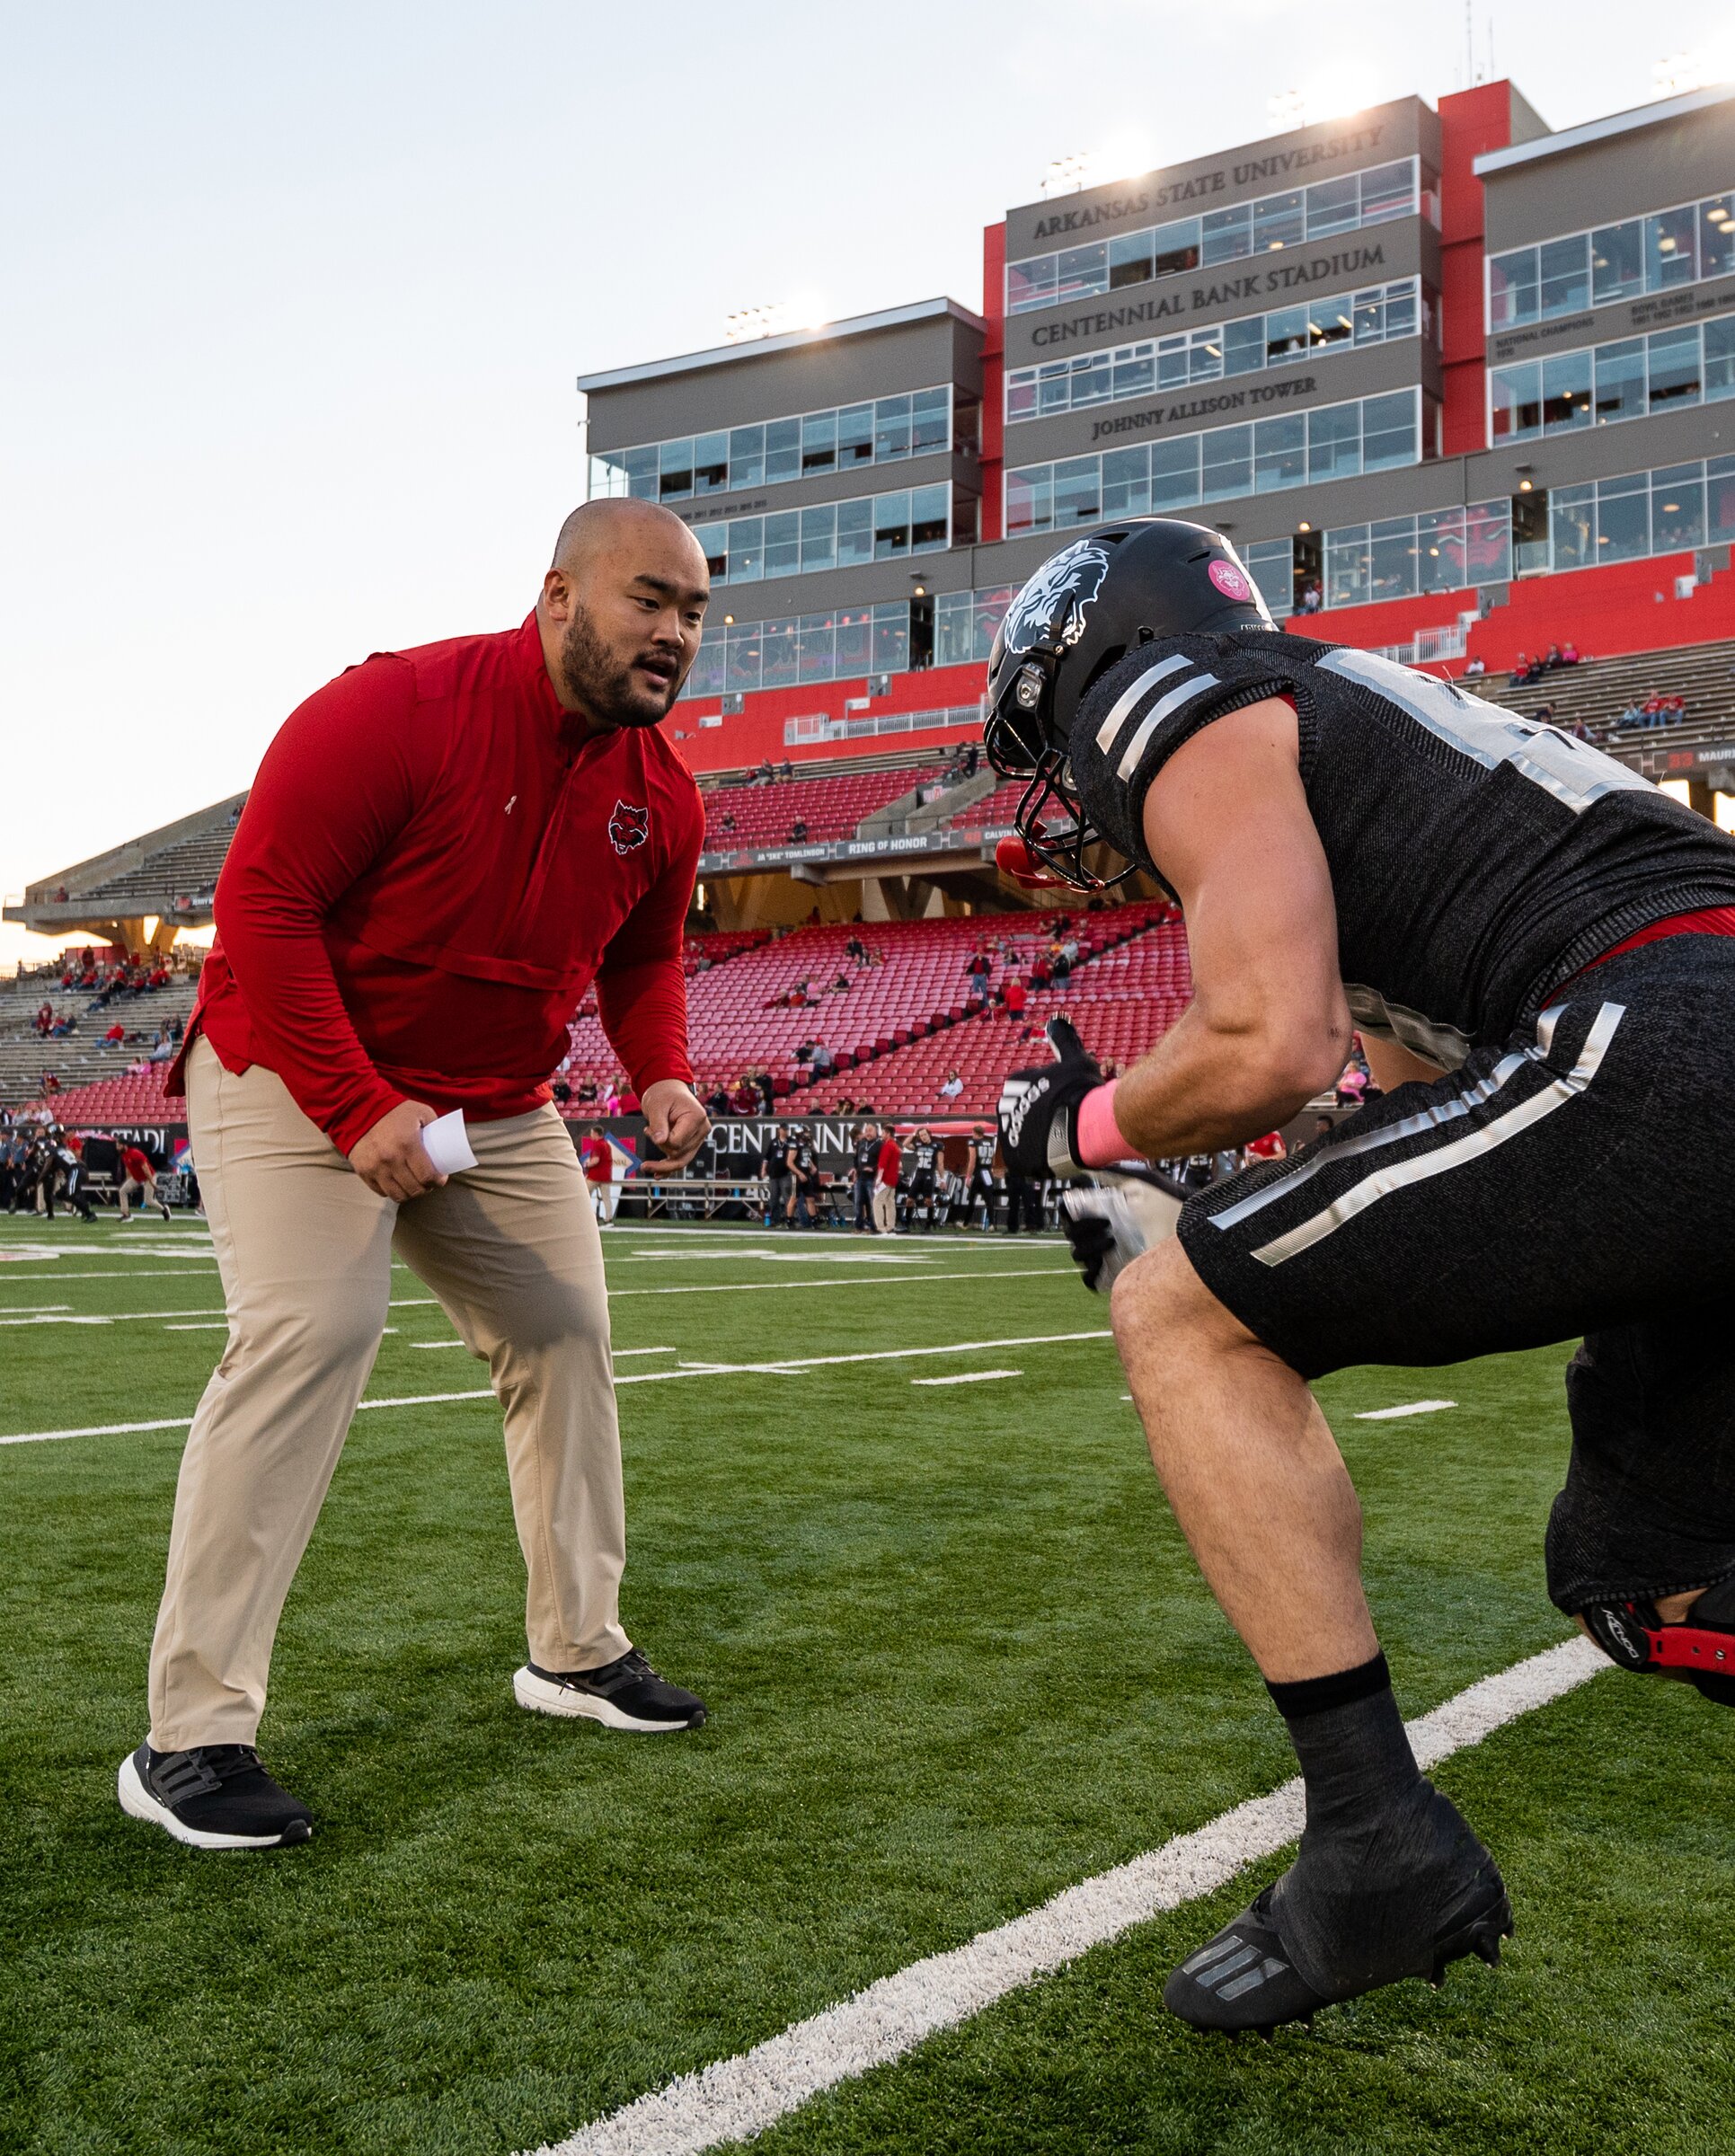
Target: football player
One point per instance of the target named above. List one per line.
(1538, 949)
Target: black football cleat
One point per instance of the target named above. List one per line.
(1310, 1941)
(626, 1694)
(212, 1797)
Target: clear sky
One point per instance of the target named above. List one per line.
(294, 299)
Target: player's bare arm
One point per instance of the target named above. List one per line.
(1268, 1027)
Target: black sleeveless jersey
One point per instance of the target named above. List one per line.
(924, 1156)
(1478, 860)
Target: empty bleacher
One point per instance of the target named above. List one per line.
(1121, 999)
(765, 813)
(918, 995)
(77, 1058)
(1597, 690)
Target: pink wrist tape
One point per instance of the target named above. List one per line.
(1098, 1141)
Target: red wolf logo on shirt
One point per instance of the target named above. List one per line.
(628, 827)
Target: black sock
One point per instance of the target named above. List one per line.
(1355, 1760)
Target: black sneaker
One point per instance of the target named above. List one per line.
(627, 1694)
(213, 1797)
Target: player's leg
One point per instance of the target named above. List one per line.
(303, 1250)
(1467, 1217)
(1251, 1470)
(1646, 1522)
(513, 1252)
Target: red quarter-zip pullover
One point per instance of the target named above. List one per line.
(434, 863)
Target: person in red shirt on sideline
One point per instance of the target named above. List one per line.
(598, 1157)
(138, 1179)
(443, 849)
(887, 1169)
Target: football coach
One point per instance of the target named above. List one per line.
(441, 851)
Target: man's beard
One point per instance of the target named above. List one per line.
(599, 684)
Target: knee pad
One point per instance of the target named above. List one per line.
(1702, 1650)
(1649, 1506)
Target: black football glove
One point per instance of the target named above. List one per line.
(1039, 1107)
(1124, 1212)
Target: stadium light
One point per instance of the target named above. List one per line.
(803, 311)
(1120, 158)
(1348, 87)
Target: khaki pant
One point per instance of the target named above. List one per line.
(885, 1208)
(305, 1250)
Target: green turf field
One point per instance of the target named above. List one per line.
(957, 1659)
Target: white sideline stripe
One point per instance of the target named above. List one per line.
(783, 1368)
(967, 1377)
(1415, 1407)
(735, 2098)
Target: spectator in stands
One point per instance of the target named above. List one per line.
(745, 1098)
(952, 1088)
(1014, 995)
(823, 1061)
(798, 831)
(1569, 652)
(44, 1020)
(138, 1179)
(729, 820)
(804, 1052)
(979, 963)
(49, 1082)
(1551, 658)
(856, 949)
(887, 1168)
(788, 771)
(1477, 666)
(718, 1100)
(115, 1037)
(1310, 598)
(976, 995)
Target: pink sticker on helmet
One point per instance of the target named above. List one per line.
(1229, 580)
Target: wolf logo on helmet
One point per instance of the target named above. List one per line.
(1073, 575)
(1086, 606)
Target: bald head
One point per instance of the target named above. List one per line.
(621, 611)
(606, 526)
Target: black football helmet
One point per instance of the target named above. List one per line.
(1087, 606)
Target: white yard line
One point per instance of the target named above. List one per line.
(737, 2097)
(60, 1313)
(1415, 1407)
(787, 1367)
(967, 1377)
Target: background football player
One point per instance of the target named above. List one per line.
(1535, 945)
